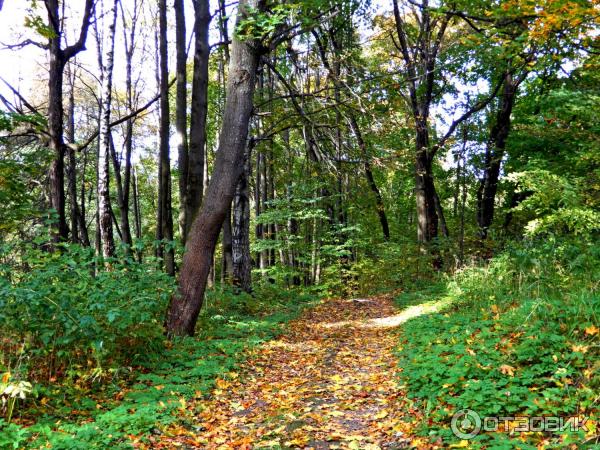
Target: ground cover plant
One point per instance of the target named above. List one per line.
(519, 337)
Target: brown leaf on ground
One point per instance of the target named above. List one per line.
(328, 383)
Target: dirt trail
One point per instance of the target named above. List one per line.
(328, 383)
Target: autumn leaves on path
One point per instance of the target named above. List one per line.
(328, 383)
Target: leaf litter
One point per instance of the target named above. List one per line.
(329, 382)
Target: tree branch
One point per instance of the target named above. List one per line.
(22, 44)
(78, 46)
(475, 108)
(94, 135)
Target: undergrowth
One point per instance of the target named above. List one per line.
(520, 337)
(91, 348)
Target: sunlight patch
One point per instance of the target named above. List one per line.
(391, 321)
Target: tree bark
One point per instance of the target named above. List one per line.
(258, 209)
(106, 230)
(486, 194)
(439, 210)
(185, 305)
(427, 219)
(78, 226)
(58, 59)
(227, 263)
(164, 223)
(197, 142)
(181, 111)
(240, 242)
(55, 129)
(137, 212)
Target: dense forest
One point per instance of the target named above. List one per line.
(321, 224)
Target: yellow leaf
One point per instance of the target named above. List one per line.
(301, 440)
(337, 379)
(271, 443)
(382, 415)
(222, 384)
(592, 330)
(507, 370)
(580, 348)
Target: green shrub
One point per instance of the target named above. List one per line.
(60, 308)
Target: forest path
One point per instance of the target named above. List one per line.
(329, 382)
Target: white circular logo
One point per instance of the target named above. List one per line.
(466, 424)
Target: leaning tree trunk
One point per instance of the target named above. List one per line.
(370, 179)
(240, 241)
(488, 187)
(195, 162)
(106, 230)
(202, 239)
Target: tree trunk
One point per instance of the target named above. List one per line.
(185, 305)
(242, 264)
(125, 188)
(55, 129)
(258, 231)
(439, 210)
(165, 218)
(264, 199)
(58, 59)
(488, 187)
(124, 232)
(137, 213)
(181, 111)
(195, 167)
(106, 230)
(227, 263)
(370, 179)
(72, 166)
(427, 219)
(83, 226)
(292, 223)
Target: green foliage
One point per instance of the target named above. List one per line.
(20, 172)
(258, 24)
(519, 338)
(62, 303)
(556, 203)
(147, 390)
(9, 121)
